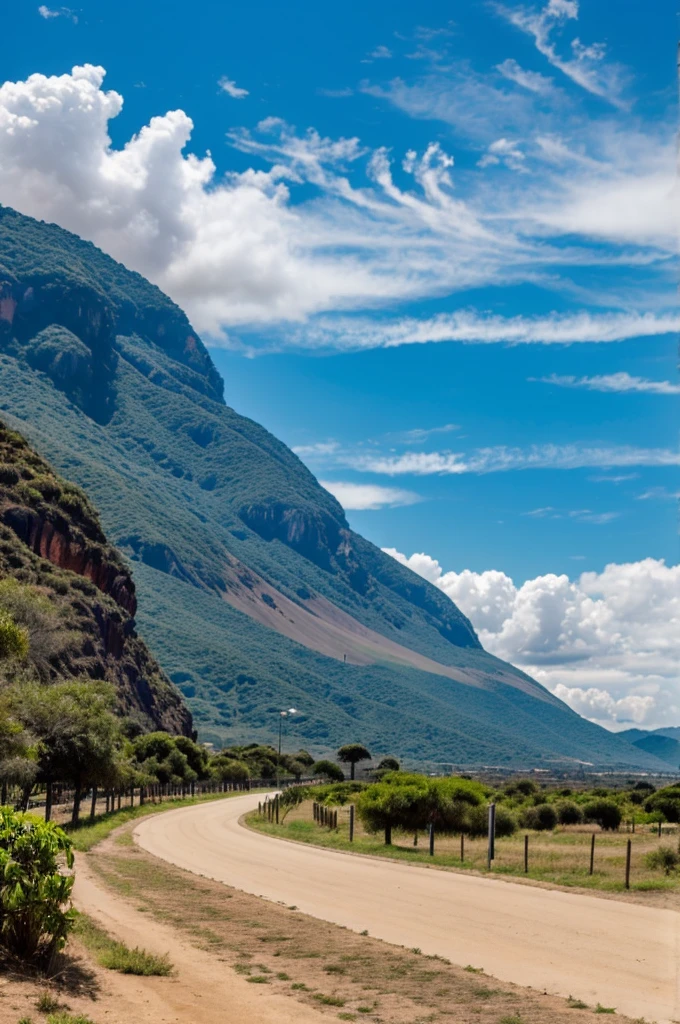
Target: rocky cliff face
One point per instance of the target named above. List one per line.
(50, 537)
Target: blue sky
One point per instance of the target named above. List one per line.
(433, 250)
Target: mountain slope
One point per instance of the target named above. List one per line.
(256, 595)
(50, 538)
(661, 743)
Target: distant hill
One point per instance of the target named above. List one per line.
(51, 538)
(255, 594)
(662, 743)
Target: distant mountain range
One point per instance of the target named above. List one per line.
(661, 743)
(255, 595)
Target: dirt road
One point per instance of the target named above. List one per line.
(618, 954)
(201, 989)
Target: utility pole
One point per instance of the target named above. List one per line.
(282, 715)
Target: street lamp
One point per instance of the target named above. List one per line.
(282, 715)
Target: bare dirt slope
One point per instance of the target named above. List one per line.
(615, 953)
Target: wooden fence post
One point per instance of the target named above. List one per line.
(592, 853)
(462, 847)
(659, 830)
(526, 855)
(351, 823)
(628, 852)
(276, 807)
(431, 840)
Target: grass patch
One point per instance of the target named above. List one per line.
(576, 1004)
(604, 1009)
(116, 956)
(69, 1018)
(47, 1003)
(329, 1000)
(258, 979)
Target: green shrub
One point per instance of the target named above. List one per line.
(667, 802)
(605, 813)
(329, 770)
(543, 818)
(13, 638)
(569, 813)
(477, 822)
(665, 858)
(33, 893)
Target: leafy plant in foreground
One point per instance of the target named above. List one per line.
(33, 893)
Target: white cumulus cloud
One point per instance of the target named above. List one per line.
(606, 643)
(329, 227)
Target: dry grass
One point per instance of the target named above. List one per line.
(342, 974)
(559, 858)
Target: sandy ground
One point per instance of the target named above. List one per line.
(198, 993)
(616, 953)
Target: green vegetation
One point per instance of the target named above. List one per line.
(328, 770)
(352, 754)
(116, 956)
(34, 921)
(665, 858)
(207, 504)
(47, 1003)
(68, 1018)
(56, 624)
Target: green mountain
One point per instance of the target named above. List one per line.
(52, 541)
(254, 593)
(662, 743)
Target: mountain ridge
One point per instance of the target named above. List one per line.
(296, 609)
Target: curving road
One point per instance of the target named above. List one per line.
(619, 954)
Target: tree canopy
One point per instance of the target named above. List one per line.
(351, 754)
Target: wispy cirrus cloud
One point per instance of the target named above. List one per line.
(471, 327)
(49, 13)
(612, 382)
(582, 515)
(496, 459)
(232, 89)
(533, 81)
(586, 65)
(334, 226)
(368, 497)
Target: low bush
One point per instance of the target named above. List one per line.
(665, 858)
(542, 818)
(477, 822)
(569, 813)
(604, 813)
(328, 770)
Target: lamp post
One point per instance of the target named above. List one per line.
(282, 715)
